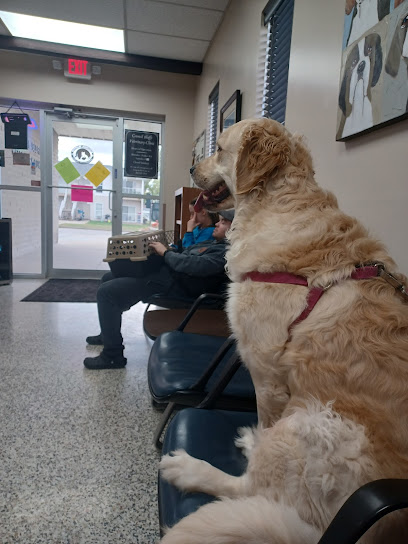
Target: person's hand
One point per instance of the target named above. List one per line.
(158, 247)
(192, 223)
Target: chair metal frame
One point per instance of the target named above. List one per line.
(213, 301)
(195, 395)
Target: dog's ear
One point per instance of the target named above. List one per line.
(383, 9)
(343, 92)
(378, 60)
(264, 150)
(349, 6)
(352, 58)
(393, 61)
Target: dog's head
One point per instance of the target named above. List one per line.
(398, 48)
(363, 64)
(250, 154)
(382, 6)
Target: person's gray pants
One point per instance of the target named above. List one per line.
(116, 295)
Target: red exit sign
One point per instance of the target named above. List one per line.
(77, 68)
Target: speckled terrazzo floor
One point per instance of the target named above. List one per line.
(77, 465)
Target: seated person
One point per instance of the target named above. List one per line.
(200, 226)
(197, 269)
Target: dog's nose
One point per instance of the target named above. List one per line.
(192, 170)
(361, 66)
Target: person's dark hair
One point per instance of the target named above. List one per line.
(213, 216)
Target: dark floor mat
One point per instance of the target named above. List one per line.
(57, 290)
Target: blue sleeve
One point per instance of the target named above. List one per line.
(198, 235)
(188, 239)
(203, 235)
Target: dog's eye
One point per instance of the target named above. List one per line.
(369, 50)
(219, 149)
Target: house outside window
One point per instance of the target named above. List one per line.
(131, 187)
(98, 211)
(129, 214)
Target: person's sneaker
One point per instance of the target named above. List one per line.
(95, 340)
(103, 362)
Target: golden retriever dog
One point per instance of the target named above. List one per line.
(332, 388)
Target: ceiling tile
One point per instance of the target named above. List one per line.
(172, 19)
(168, 47)
(91, 12)
(175, 29)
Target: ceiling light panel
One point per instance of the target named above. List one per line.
(88, 12)
(56, 31)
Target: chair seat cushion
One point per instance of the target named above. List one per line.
(204, 321)
(167, 301)
(207, 435)
(178, 359)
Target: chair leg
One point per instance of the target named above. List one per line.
(162, 423)
(146, 332)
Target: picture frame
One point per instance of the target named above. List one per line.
(373, 90)
(230, 113)
(198, 152)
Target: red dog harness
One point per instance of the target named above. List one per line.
(371, 270)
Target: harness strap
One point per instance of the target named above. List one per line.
(360, 273)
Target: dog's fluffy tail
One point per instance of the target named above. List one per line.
(251, 520)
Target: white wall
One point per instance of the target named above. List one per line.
(368, 174)
(26, 211)
(31, 77)
(232, 60)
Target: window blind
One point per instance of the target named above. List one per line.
(278, 17)
(212, 120)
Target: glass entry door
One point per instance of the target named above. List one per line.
(84, 192)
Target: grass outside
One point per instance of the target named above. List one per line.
(101, 225)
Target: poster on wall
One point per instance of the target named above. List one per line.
(374, 71)
(230, 113)
(141, 154)
(67, 170)
(15, 130)
(81, 193)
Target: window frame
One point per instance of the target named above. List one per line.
(213, 99)
(275, 47)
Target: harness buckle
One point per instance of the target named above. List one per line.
(383, 273)
(394, 282)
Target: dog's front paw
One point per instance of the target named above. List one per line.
(181, 470)
(245, 440)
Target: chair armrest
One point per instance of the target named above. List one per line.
(197, 303)
(166, 301)
(363, 508)
(200, 384)
(230, 369)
